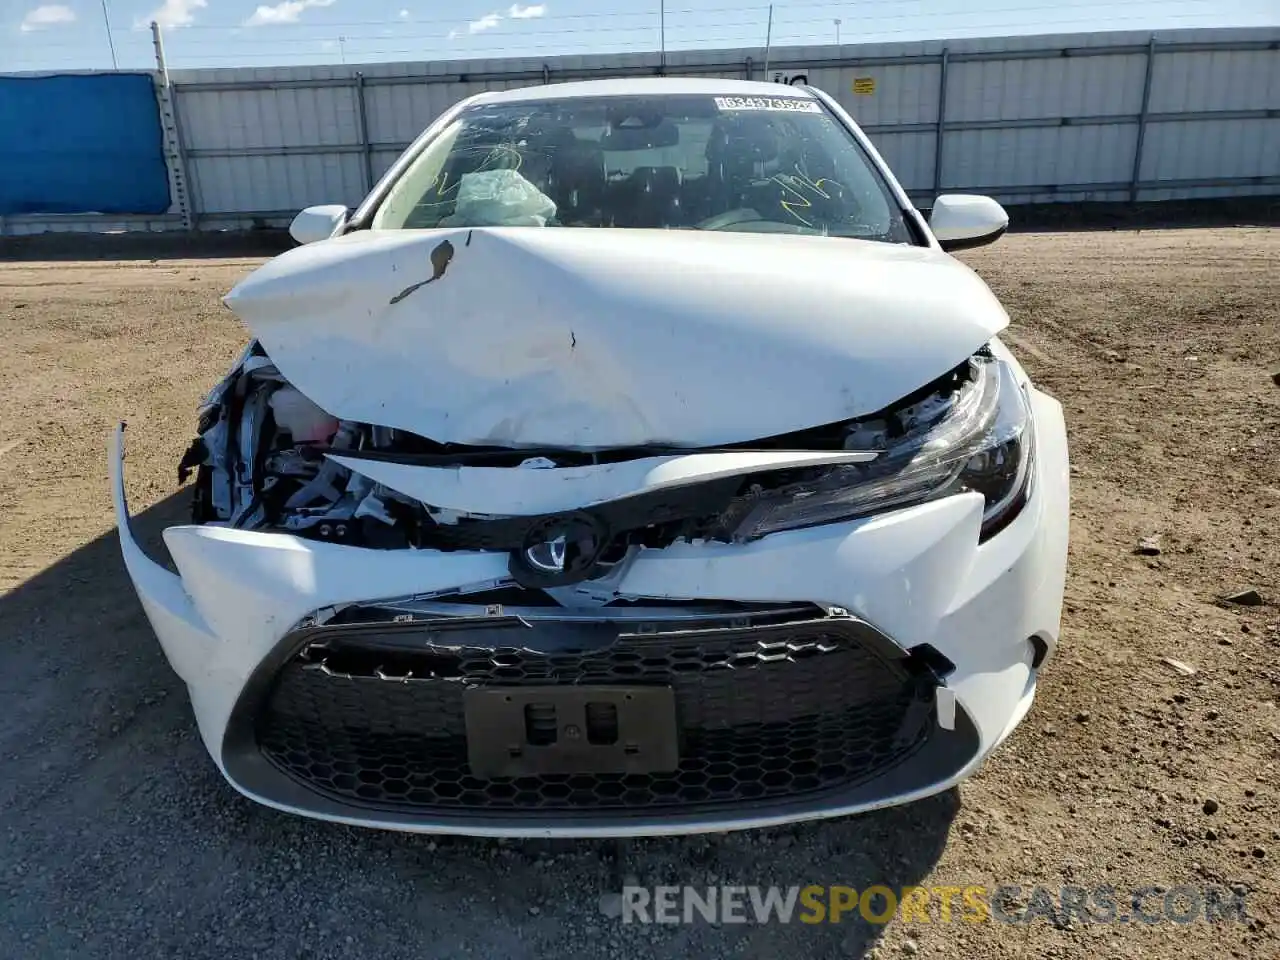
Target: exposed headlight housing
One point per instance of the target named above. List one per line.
(976, 436)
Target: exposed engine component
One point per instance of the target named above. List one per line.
(261, 463)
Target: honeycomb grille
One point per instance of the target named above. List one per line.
(759, 717)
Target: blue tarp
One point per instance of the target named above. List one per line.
(81, 144)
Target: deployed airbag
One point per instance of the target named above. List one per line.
(500, 198)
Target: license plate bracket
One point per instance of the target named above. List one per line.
(529, 731)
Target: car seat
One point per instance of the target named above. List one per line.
(650, 198)
(742, 153)
(575, 178)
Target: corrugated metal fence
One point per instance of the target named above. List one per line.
(1112, 116)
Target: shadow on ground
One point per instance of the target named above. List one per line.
(267, 242)
(171, 245)
(120, 839)
(1262, 211)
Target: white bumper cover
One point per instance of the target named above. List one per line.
(919, 575)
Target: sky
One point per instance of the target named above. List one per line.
(40, 35)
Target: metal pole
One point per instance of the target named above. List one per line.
(662, 37)
(176, 156)
(110, 43)
(1142, 122)
(157, 40)
(366, 147)
(942, 118)
(342, 50)
(837, 22)
(768, 42)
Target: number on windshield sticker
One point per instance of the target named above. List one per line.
(780, 104)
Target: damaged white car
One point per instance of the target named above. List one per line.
(633, 460)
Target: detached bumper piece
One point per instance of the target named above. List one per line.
(538, 719)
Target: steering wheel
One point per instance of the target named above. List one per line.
(729, 218)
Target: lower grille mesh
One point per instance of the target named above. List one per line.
(761, 715)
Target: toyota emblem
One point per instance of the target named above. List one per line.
(548, 556)
(560, 550)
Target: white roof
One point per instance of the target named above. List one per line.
(644, 86)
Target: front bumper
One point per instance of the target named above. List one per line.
(913, 578)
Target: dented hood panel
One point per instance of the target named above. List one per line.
(597, 338)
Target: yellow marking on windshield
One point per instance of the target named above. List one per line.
(787, 182)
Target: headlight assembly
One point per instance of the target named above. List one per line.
(977, 436)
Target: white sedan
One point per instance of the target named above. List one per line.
(633, 460)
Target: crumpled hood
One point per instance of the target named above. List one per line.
(597, 338)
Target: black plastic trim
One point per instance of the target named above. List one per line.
(941, 757)
(941, 754)
(968, 243)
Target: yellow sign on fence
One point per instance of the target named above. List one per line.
(864, 86)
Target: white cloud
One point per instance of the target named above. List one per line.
(173, 13)
(491, 20)
(403, 14)
(487, 22)
(287, 11)
(47, 15)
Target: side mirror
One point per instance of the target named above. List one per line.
(962, 220)
(318, 223)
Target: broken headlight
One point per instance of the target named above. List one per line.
(976, 436)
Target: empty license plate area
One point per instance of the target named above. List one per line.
(524, 731)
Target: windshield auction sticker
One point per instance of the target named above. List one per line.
(780, 104)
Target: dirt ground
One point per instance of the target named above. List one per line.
(119, 839)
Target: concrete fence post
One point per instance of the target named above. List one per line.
(175, 152)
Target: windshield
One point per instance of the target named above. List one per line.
(759, 164)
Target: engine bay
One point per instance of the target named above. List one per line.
(261, 463)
